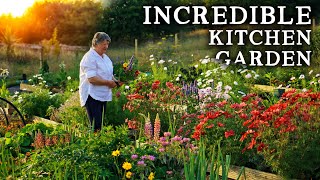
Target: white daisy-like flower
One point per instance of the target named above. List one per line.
(196, 66)
(210, 81)
(304, 90)
(170, 60)
(199, 83)
(301, 76)
(292, 78)
(151, 56)
(248, 76)
(280, 86)
(69, 78)
(16, 92)
(161, 61)
(126, 87)
(235, 83)
(317, 75)
(152, 63)
(232, 72)
(174, 62)
(227, 88)
(179, 75)
(178, 79)
(165, 68)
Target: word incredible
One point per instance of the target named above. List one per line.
(257, 16)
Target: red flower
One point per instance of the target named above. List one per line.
(210, 126)
(261, 147)
(137, 73)
(170, 85)
(220, 124)
(229, 133)
(155, 84)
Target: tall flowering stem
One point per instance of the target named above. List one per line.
(157, 126)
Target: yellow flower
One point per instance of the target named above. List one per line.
(116, 153)
(126, 166)
(128, 174)
(151, 176)
(125, 65)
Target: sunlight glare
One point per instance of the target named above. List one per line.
(14, 7)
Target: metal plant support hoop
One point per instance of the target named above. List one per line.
(14, 107)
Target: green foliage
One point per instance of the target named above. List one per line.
(199, 163)
(38, 102)
(88, 157)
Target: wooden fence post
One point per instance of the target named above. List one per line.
(136, 47)
(176, 40)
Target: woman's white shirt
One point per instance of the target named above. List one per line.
(92, 64)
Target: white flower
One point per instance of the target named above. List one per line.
(69, 78)
(44, 82)
(292, 78)
(304, 90)
(280, 86)
(227, 88)
(209, 81)
(256, 76)
(199, 83)
(242, 93)
(40, 83)
(248, 76)
(235, 82)
(239, 70)
(71, 90)
(196, 66)
(207, 57)
(245, 70)
(179, 75)
(301, 76)
(169, 60)
(126, 87)
(30, 79)
(204, 61)
(178, 79)
(317, 75)
(151, 56)
(161, 61)
(310, 72)
(152, 63)
(232, 72)
(16, 92)
(174, 62)
(220, 83)
(192, 55)
(311, 82)
(319, 81)
(165, 68)
(151, 59)
(40, 78)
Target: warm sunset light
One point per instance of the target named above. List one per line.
(14, 7)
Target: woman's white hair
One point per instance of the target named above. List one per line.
(100, 37)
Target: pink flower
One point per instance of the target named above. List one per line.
(161, 150)
(134, 156)
(141, 163)
(157, 126)
(169, 172)
(167, 134)
(151, 158)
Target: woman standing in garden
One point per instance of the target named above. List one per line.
(96, 79)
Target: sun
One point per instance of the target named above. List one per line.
(14, 7)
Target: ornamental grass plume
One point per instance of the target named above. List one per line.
(157, 126)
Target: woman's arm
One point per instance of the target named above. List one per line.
(99, 81)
